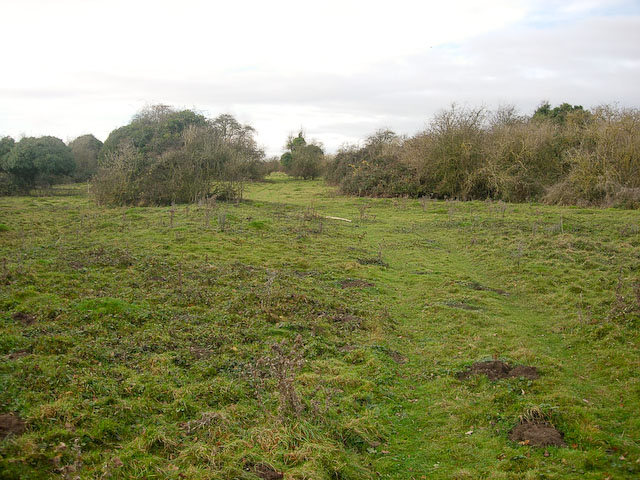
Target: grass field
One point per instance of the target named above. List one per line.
(249, 340)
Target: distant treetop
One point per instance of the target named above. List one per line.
(558, 114)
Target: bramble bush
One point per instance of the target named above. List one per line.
(564, 155)
(374, 169)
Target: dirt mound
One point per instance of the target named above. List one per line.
(495, 369)
(537, 435)
(11, 424)
(23, 318)
(355, 283)
(267, 472)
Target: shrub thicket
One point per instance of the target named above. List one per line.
(564, 155)
(34, 161)
(165, 156)
(302, 159)
(85, 149)
(7, 186)
(375, 169)
(604, 168)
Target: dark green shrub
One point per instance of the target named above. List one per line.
(43, 160)
(192, 158)
(85, 151)
(302, 160)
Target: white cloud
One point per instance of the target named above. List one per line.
(337, 68)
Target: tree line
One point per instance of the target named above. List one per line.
(44, 161)
(162, 156)
(562, 155)
(565, 154)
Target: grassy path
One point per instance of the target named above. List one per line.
(444, 428)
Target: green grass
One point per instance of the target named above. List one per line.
(149, 353)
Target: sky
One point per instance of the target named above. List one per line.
(339, 70)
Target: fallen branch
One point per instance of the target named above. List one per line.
(338, 218)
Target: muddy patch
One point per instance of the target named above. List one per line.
(355, 283)
(496, 370)
(266, 471)
(537, 435)
(11, 424)
(24, 318)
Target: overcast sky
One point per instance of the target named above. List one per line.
(339, 69)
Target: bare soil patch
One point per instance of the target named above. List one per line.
(495, 370)
(355, 283)
(11, 424)
(267, 472)
(24, 318)
(373, 261)
(537, 435)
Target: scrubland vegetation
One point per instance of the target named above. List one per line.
(165, 156)
(467, 310)
(563, 155)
